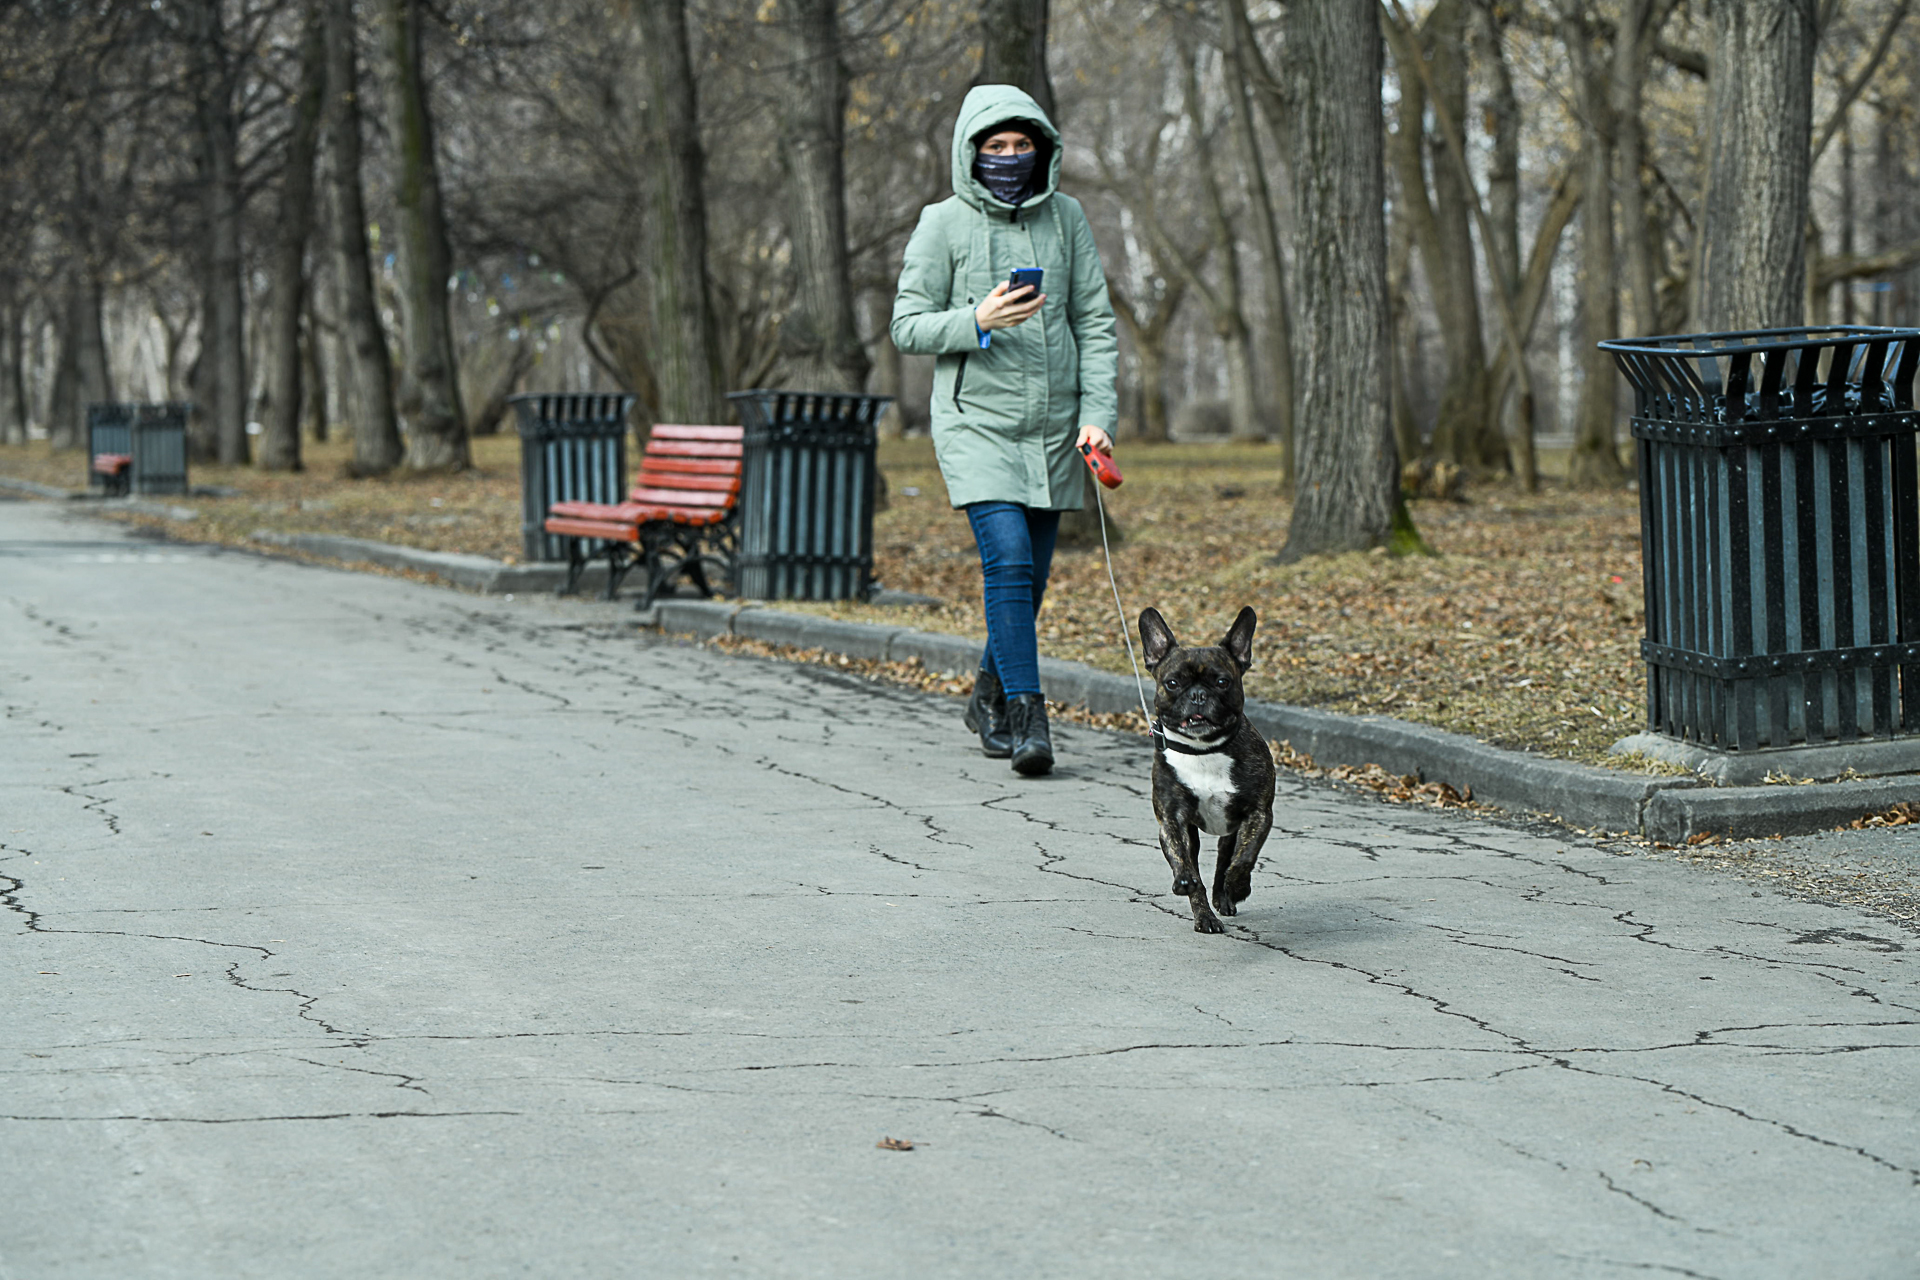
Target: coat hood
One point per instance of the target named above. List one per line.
(987, 105)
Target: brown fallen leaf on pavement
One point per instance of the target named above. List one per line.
(894, 1144)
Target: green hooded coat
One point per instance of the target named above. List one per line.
(1005, 417)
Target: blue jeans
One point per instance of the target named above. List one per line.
(1016, 552)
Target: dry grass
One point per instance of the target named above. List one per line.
(1523, 631)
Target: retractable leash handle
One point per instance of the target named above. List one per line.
(1102, 466)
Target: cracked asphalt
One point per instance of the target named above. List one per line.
(358, 927)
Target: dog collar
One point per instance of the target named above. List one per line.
(1164, 741)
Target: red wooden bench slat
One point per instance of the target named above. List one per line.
(696, 449)
(608, 530)
(692, 466)
(673, 431)
(635, 512)
(651, 479)
(626, 519)
(112, 464)
(679, 497)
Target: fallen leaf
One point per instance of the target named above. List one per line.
(894, 1144)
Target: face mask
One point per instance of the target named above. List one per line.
(1006, 176)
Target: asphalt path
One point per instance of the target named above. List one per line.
(357, 927)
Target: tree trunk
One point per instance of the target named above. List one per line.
(819, 340)
(1223, 301)
(80, 374)
(1406, 432)
(1147, 335)
(1013, 49)
(888, 375)
(280, 444)
(13, 381)
(1503, 256)
(493, 409)
(1632, 50)
(64, 425)
(1464, 430)
(686, 342)
(223, 360)
(315, 411)
(368, 373)
(429, 376)
(1347, 489)
(1152, 359)
(1848, 217)
(1752, 261)
(1273, 267)
(1596, 457)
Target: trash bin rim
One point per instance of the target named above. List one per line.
(1733, 342)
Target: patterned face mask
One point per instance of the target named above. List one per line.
(1006, 176)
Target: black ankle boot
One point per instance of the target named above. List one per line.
(1032, 744)
(987, 716)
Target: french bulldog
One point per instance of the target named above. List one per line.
(1212, 771)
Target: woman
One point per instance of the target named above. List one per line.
(1023, 377)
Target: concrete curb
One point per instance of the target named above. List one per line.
(476, 573)
(1668, 808)
(36, 490)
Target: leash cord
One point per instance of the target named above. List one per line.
(1139, 688)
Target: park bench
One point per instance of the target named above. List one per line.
(679, 518)
(115, 470)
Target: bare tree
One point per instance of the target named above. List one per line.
(223, 362)
(1596, 456)
(429, 381)
(1348, 482)
(1430, 61)
(1242, 69)
(363, 346)
(686, 342)
(819, 341)
(280, 441)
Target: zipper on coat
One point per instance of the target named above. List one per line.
(960, 374)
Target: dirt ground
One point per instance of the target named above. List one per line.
(1522, 631)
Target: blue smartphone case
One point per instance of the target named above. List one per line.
(1025, 276)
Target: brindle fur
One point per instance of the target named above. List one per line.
(1207, 682)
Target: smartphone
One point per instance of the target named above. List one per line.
(1025, 278)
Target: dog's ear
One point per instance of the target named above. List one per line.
(1238, 641)
(1156, 637)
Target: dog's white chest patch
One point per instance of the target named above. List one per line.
(1210, 778)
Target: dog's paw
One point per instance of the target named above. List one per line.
(1207, 924)
(1239, 885)
(1224, 905)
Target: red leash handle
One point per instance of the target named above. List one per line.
(1102, 466)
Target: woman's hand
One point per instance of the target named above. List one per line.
(998, 311)
(1096, 437)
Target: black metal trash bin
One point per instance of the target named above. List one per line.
(806, 495)
(153, 435)
(1780, 533)
(573, 448)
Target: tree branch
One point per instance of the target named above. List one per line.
(1851, 92)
